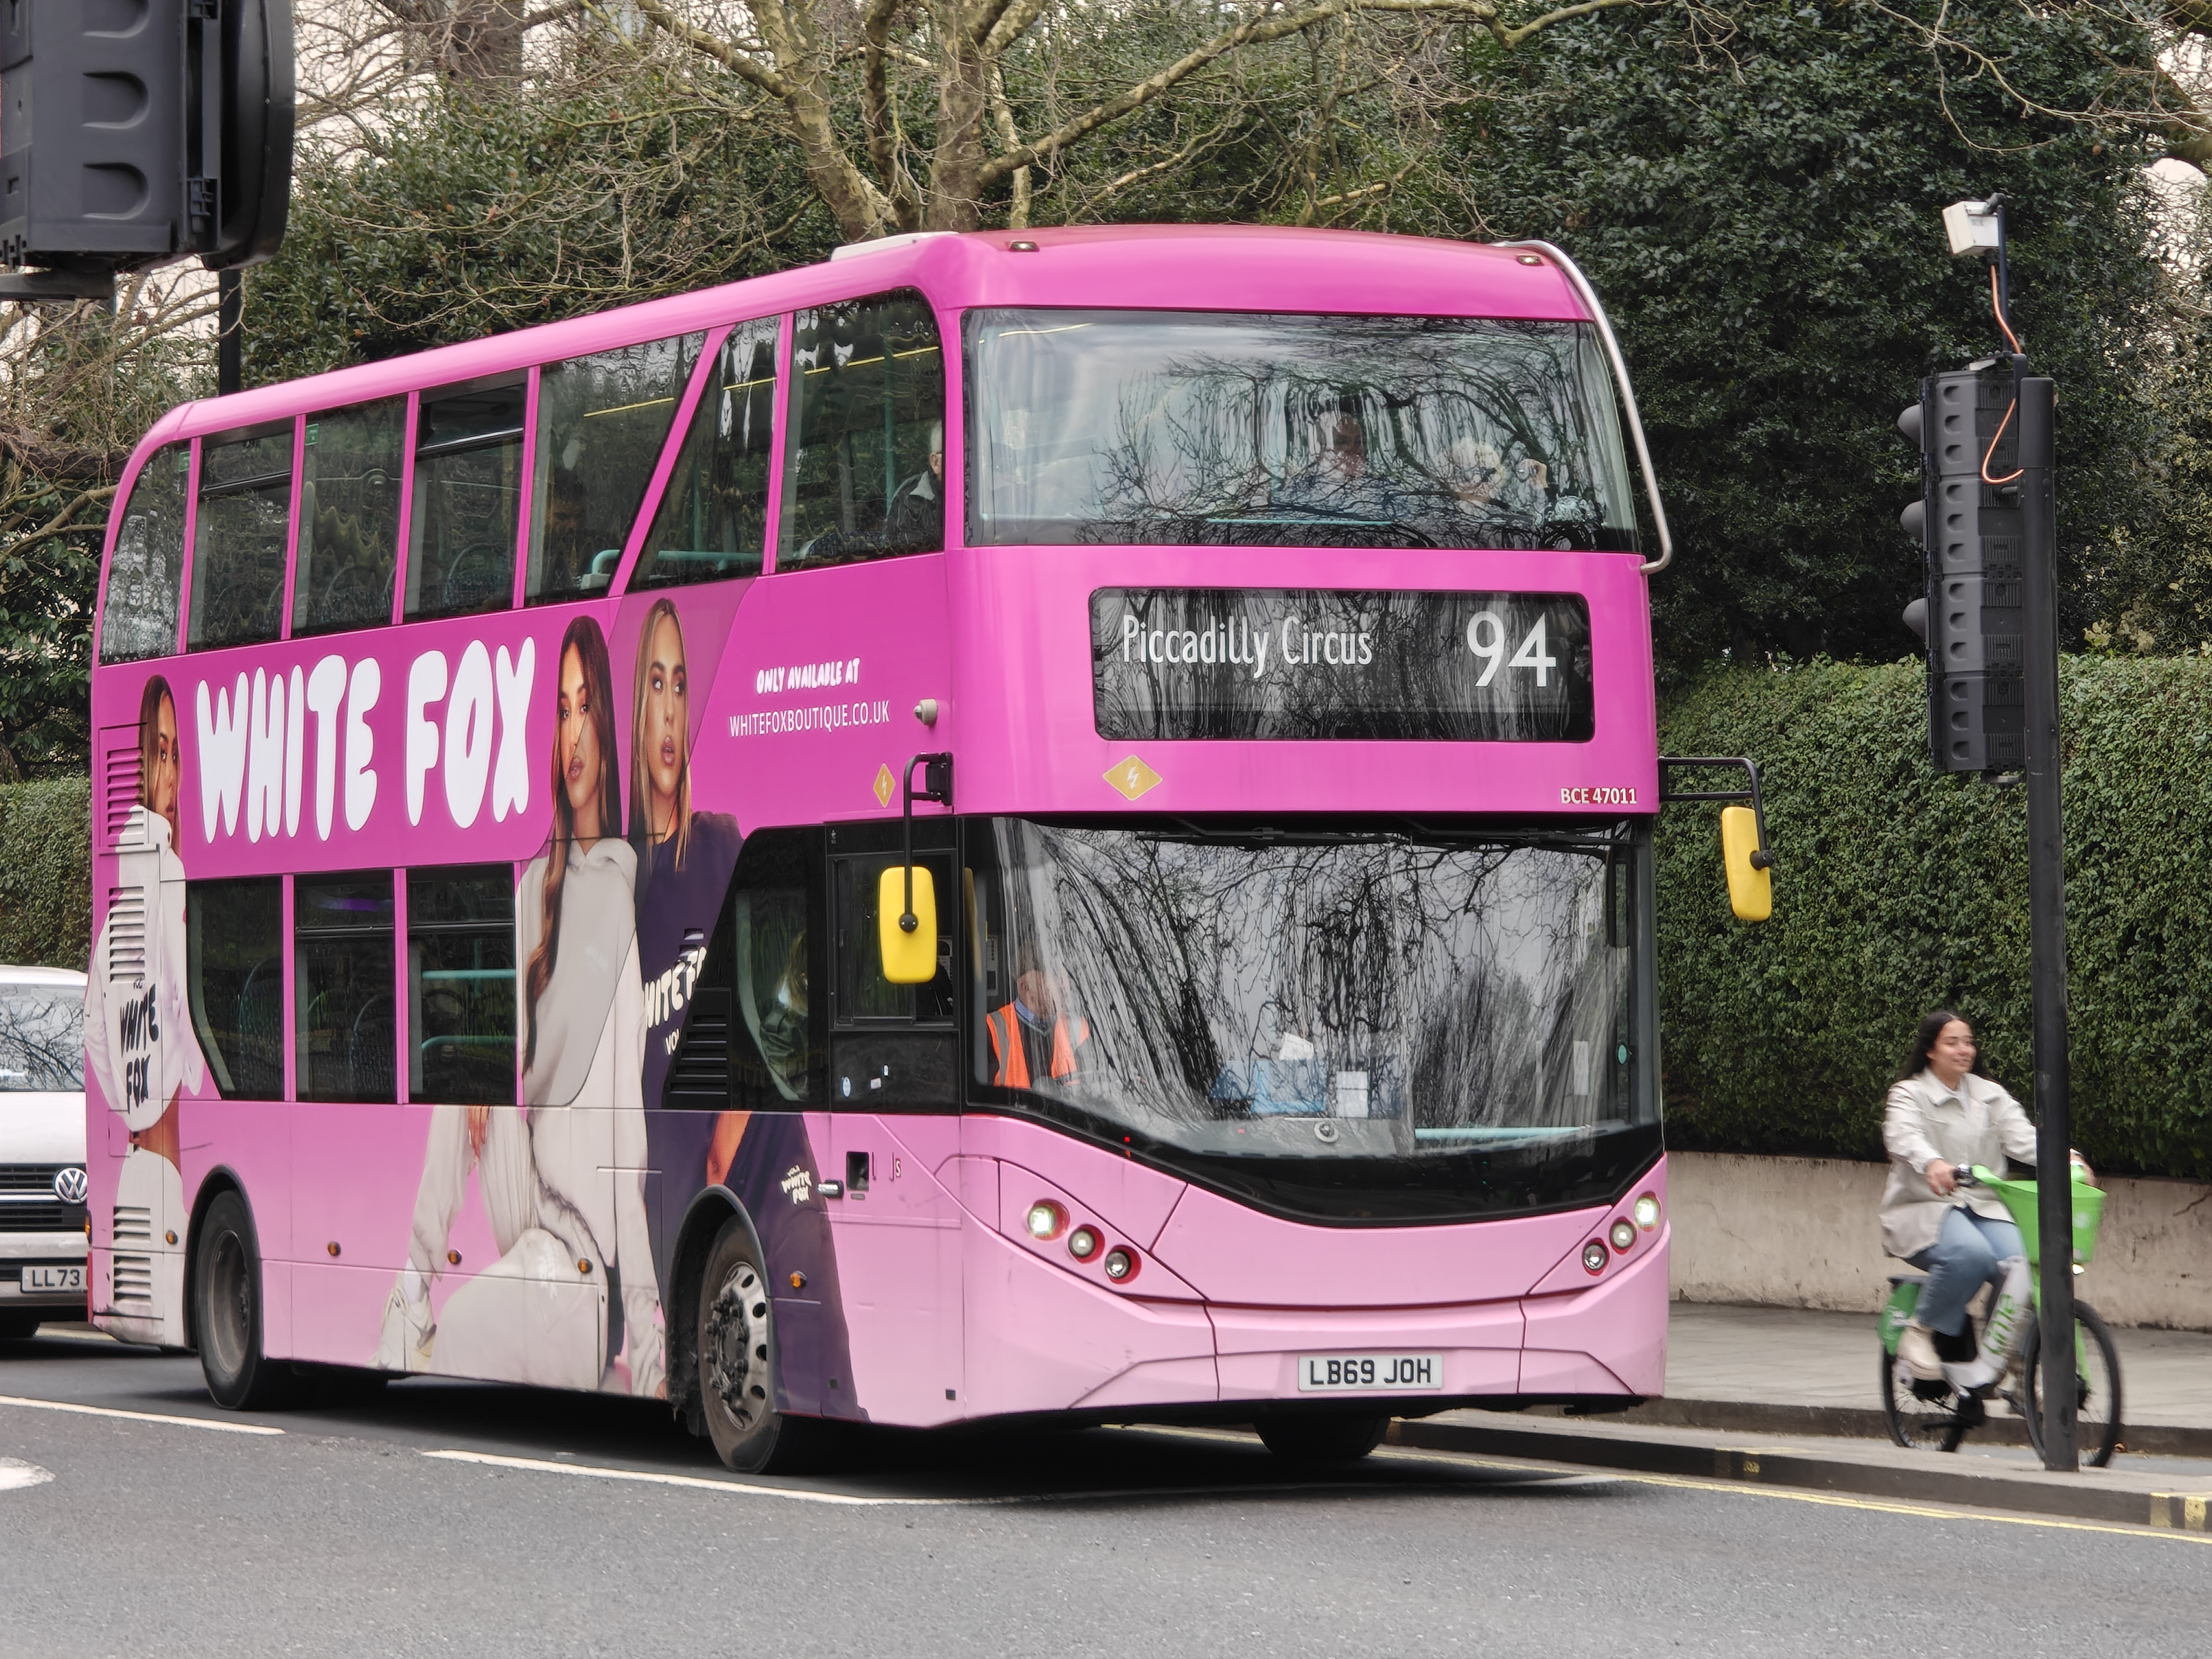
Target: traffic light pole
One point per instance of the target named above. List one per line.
(2046, 900)
(230, 315)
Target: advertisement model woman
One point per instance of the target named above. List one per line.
(572, 1301)
(141, 1052)
(684, 858)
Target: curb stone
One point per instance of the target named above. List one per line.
(2125, 1498)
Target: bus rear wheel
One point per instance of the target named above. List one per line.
(226, 1312)
(1321, 1439)
(737, 1364)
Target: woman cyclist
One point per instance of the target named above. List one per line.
(1944, 1116)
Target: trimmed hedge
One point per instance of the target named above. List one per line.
(1897, 890)
(45, 872)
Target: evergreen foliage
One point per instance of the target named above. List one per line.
(45, 872)
(1762, 218)
(1898, 891)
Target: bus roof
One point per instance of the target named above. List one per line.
(1136, 267)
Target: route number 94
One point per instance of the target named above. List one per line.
(1486, 636)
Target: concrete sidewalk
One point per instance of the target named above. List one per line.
(1789, 1397)
(1794, 1371)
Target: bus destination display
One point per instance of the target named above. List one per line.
(1321, 664)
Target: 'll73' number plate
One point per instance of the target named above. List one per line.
(1363, 1373)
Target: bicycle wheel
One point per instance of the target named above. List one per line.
(2097, 1388)
(1917, 1423)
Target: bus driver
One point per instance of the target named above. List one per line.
(1034, 1034)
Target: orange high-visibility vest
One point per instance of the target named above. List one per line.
(1013, 1062)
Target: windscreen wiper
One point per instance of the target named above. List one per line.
(1320, 515)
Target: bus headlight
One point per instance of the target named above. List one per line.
(1647, 1212)
(1593, 1256)
(1623, 1235)
(1083, 1243)
(1121, 1264)
(1046, 1219)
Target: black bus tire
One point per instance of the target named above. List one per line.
(1303, 1439)
(227, 1305)
(736, 1359)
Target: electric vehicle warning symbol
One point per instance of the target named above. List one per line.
(884, 784)
(1132, 776)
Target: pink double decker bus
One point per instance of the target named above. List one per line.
(508, 758)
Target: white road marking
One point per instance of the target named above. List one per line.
(15, 1473)
(799, 1494)
(136, 1416)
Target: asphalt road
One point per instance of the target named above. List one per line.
(440, 1519)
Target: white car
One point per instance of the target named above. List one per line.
(42, 1175)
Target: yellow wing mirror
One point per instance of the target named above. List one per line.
(906, 920)
(906, 895)
(1745, 856)
(1750, 872)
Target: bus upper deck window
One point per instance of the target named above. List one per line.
(1236, 429)
(468, 501)
(238, 544)
(139, 619)
(349, 547)
(712, 521)
(865, 476)
(602, 422)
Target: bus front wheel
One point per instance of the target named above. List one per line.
(1321, 1439)
(737, 1364)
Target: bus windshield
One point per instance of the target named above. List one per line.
(1333, 1000)
(1207, 429)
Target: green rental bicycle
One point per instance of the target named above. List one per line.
(2004, 1360)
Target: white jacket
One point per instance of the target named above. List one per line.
(139, 1041)
(1976, 1123)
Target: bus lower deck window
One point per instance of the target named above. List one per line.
(343, 1019)
(460, 986)
(234, 972)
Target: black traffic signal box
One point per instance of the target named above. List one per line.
(1972, 533)
(137, 131)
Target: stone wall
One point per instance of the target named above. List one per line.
(1805, 1232)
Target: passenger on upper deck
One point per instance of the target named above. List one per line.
(1035, 1033)
(916, 516)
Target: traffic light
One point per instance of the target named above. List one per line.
(134, 133)
(1972, 539)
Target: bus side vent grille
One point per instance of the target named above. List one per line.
(134, 1221)
(119, 788)
(134, 1279)
(699, 1075)
(126, 935)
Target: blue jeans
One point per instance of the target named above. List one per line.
(1969, 1252)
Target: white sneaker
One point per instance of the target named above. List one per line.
(1916, 1347)
(403, 1343)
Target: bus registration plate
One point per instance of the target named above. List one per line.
(1359, 1373)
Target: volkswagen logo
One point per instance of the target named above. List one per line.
(71, 1187)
